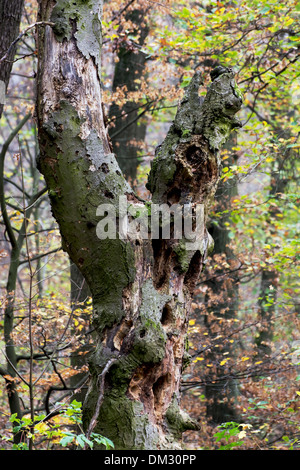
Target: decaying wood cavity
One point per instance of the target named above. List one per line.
(203, 169)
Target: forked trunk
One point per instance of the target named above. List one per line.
(140, 265)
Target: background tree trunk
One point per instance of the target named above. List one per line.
(129, 123)
(141, 287)
(223, 297)
(80, 294)
(281, 174)
(10, 18)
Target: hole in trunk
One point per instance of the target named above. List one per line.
(166, 316)
(193, 272)
(162, 255)
(108, 194)
(174, 195)
(159, 388)
(142, 333)
(194, 155)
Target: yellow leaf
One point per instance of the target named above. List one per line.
(244, 358)
(224, 362)
(41, 427)
(198, 359)
(289, 21)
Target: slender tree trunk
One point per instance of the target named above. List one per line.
(10, 18)
(80, 294)
(141, 287)
(16, 244)
(128, 122)
(270, 277)
(266, 311)
(223, 299)
(282, 167)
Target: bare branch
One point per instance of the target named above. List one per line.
(39, 23)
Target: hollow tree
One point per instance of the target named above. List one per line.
(141, 286)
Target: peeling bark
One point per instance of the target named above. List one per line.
(141, 287)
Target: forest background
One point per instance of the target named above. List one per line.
(242, 382)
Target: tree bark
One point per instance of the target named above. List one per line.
(141, 287)
(10, 18)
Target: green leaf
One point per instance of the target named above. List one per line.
(13, 418)
(103, 440)
(81, 439)
(20, 446)
(67, 439)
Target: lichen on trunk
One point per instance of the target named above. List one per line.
(141, 286)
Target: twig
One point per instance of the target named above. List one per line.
(30, 296)
(131, 122)
(58, 341)
(39, 23)
(101, 395)
(55, 250)
(117, 15)
(8, 141)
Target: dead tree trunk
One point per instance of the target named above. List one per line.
(141, 285)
